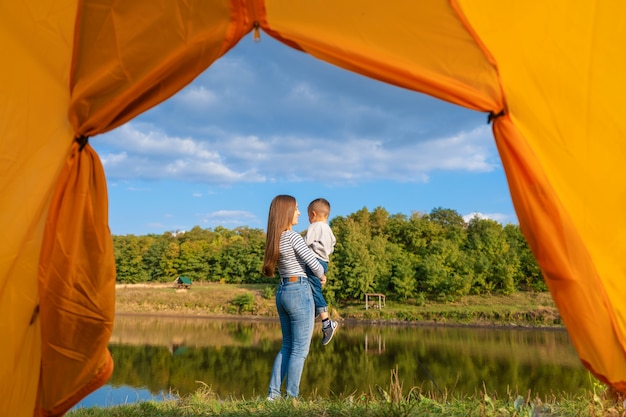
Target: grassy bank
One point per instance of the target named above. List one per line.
(223, 300)
(393, 401)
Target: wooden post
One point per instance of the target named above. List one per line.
(381, 300)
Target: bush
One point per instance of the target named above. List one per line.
(420, 299)
(244, 302)
(269, 292)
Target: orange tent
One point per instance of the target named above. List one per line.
(547, 73)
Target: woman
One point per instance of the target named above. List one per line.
(286, 249)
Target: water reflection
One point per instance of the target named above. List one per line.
(234, 358)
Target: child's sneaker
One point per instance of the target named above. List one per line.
(328, 332)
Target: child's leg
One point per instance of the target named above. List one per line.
(316, 288)
(321, 308)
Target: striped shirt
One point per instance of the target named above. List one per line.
(294, 255)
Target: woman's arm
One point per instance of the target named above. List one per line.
(307, 255)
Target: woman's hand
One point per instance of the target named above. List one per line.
(323, 279)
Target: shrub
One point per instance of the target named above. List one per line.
(269, 292)
(244, 302)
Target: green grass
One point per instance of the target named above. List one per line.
(519, 309)
(200, 300)
(223, 300)
(394, 401)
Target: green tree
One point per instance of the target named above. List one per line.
(241, 257)
(444, 271)
(378, 221)
(353, 263)
(451, 222)
(495, 265)
(192, 260)
(382, 262)
(529, 275)
(151, 260)
(436, 254)
(395, 227)
(196, 234)
(235, 261)
(362, 219)
(413, 234)
(169, 261)
(128, 251)
(255, 243)
(402, 273)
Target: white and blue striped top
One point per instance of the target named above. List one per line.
(294, 255)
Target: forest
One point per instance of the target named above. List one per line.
(424, 256)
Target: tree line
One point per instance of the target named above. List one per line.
(422, 256)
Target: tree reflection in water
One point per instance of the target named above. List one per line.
(234, 358)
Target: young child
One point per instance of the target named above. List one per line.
(320, 238)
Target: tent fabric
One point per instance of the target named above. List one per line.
(563, 97)
(550, 72)
(76, 285)
(442, 58)
(554, 240)
(130, 56)
(35, 138)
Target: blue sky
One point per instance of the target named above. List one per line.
(266, 119)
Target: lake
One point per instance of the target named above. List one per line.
(156, 357)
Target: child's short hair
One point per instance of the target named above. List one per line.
(320, 206)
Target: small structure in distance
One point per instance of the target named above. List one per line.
(182, 282)
(379, 305)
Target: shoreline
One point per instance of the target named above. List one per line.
(256, 303)
(351, 321)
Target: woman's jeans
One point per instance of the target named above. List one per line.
(294, 302)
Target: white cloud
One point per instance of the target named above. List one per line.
(498, 217)
(154, 142)
(197, 98)
(365, 159)
(112, 159)
(467, 151)
(141, 151)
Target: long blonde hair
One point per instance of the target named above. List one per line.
(279, 219)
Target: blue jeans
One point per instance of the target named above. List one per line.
(294, 302)
(316, 286)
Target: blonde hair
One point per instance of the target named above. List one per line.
(321, 206)
(280, 218)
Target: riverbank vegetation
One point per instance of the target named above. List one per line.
(528, 309)
(411, 259)
(394, 400)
